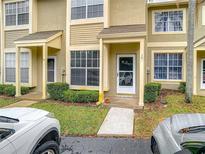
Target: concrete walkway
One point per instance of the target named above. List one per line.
(118, 122)
(23, 103)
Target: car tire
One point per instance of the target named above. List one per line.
(154, 146)
(50, 146)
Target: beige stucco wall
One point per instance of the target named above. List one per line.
(199, 29)
(52, 16)
(85, 34)
(127, 12)
(11, 36)
(165, 84)
(164, 37)
(114, 50)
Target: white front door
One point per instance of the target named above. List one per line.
(203, 74)
(126, 74)
(51, 69)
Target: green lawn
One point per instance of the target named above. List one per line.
(147, 120)
(76, 120)
(7, 101)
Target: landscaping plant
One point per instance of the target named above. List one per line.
(152, 91)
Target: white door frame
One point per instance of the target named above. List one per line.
(127, 89)
(54, 58)
(202, 84)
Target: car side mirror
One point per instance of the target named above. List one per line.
(184, 151)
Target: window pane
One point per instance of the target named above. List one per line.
(23, 19)
(175, 66)
(78, 13)
(10, 75)
(51, 70)
(93, 77)
(160, 66)
(10, 67)
(95, 11)
(85, 68)
(10, 20)
(78, 76)
(169, 21)
(24, 75)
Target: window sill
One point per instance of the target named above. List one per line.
(11, 28)
(167, 33)
(22, 84)
(84, 87)
(87, 21)
(166, 80)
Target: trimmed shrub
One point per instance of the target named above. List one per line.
(25, 90)
(2, 89)
(10, 90)
(182, 87)
(56, 90)
(80, 96)
(152, 91)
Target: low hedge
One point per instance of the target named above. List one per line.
(56, 90)
(152, 91)
(182, 87)
(75, 96)
(10, 90)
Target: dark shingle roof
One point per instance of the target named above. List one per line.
(43, 35)
(124, 29)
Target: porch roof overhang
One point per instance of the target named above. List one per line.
(50, 38)
(125, 31)
(200, 42)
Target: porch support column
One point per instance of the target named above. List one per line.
(195, 73)
(18, 72)
(44, 81)
(142, 76)
(101, 91)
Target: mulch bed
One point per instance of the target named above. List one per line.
(158, 104)
(93, 104)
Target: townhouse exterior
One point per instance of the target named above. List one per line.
(112, 46)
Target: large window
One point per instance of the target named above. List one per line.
(10, 67)
(82, 9)
(168, 66)
(17, 13)
(85, 68)
(168, 21)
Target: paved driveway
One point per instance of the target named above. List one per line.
(78, 145)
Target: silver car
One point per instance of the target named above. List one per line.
(179, 133)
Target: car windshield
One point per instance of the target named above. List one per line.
(8, 120)
(195, 129)
(5, 133)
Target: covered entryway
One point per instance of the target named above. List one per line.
(40, 44)
(122, 70)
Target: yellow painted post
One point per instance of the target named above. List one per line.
(18, 73)
(101, 92)
(195, 73)
(142, 76)
(44, 79)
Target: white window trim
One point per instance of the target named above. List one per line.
(202, 86)
(14, 27)
(55, 66)
(168, 51)
(11, 50)
(167, 10)
(86, 20)
(203, 15)
(72, 86)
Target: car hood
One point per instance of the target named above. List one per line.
(181, 121)
(23, 114)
